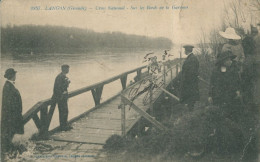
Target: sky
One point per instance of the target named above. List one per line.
(182, 26)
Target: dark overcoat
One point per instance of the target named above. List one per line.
(248, 74)
(60, 86)
(223, 86)
(189, 89)
(11, 114)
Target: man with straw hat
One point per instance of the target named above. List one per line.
(233, 45)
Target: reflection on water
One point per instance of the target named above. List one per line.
(36, 75)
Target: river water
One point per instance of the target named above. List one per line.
(36, 75)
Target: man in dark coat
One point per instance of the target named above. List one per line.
(60, 96)
(11, 114)
(249, 70)
(189, 89)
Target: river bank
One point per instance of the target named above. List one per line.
(201, 134)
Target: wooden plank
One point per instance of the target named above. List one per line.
(44, 118)
(95, 131)
(101, 115)
(111, 110)
(97, 123)
(87, 140)
(80, 135)
(50, 114)
(107, 123)
(108, 109)
(117, 116)
(123, 120)
(144, 114)
(56, 129)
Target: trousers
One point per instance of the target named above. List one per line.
(63, 112)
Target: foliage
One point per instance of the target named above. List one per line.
(201, 132)
(115, 143)
(58, 39)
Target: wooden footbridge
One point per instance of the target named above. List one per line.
(117, 115)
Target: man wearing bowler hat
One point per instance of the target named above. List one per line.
(11, 113)
(189, 90)
(60, 96)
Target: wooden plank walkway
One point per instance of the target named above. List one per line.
(93, 129)
(97, 126)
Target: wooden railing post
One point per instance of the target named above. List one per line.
(164, 75)
(177, 69)
(37, 121)
(96, 93)
(171, 73)
(151, 100)
(44, 120)
(122, 106)
(138, 74)
(50, 114)
(123, 81)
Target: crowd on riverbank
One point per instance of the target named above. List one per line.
(222, 127)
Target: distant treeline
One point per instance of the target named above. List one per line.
(57, 39)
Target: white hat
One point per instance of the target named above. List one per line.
(229, 34)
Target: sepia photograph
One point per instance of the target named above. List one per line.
(130, 80)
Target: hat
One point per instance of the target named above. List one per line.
(230, 33)
(65, 66)
(9, 73)
(224, 55)
(188, 46)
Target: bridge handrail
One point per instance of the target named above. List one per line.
(127, 101)
(32, 112)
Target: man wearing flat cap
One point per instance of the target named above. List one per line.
(189, 90)
(11, 113)
(60, 96)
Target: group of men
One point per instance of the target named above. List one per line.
(225, 87)
(232, 80)
(11, 113)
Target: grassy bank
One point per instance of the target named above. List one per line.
(202, 134)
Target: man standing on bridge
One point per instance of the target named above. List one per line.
(60, 96)
(189, 89)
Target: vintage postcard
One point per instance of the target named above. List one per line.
(130, 80)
